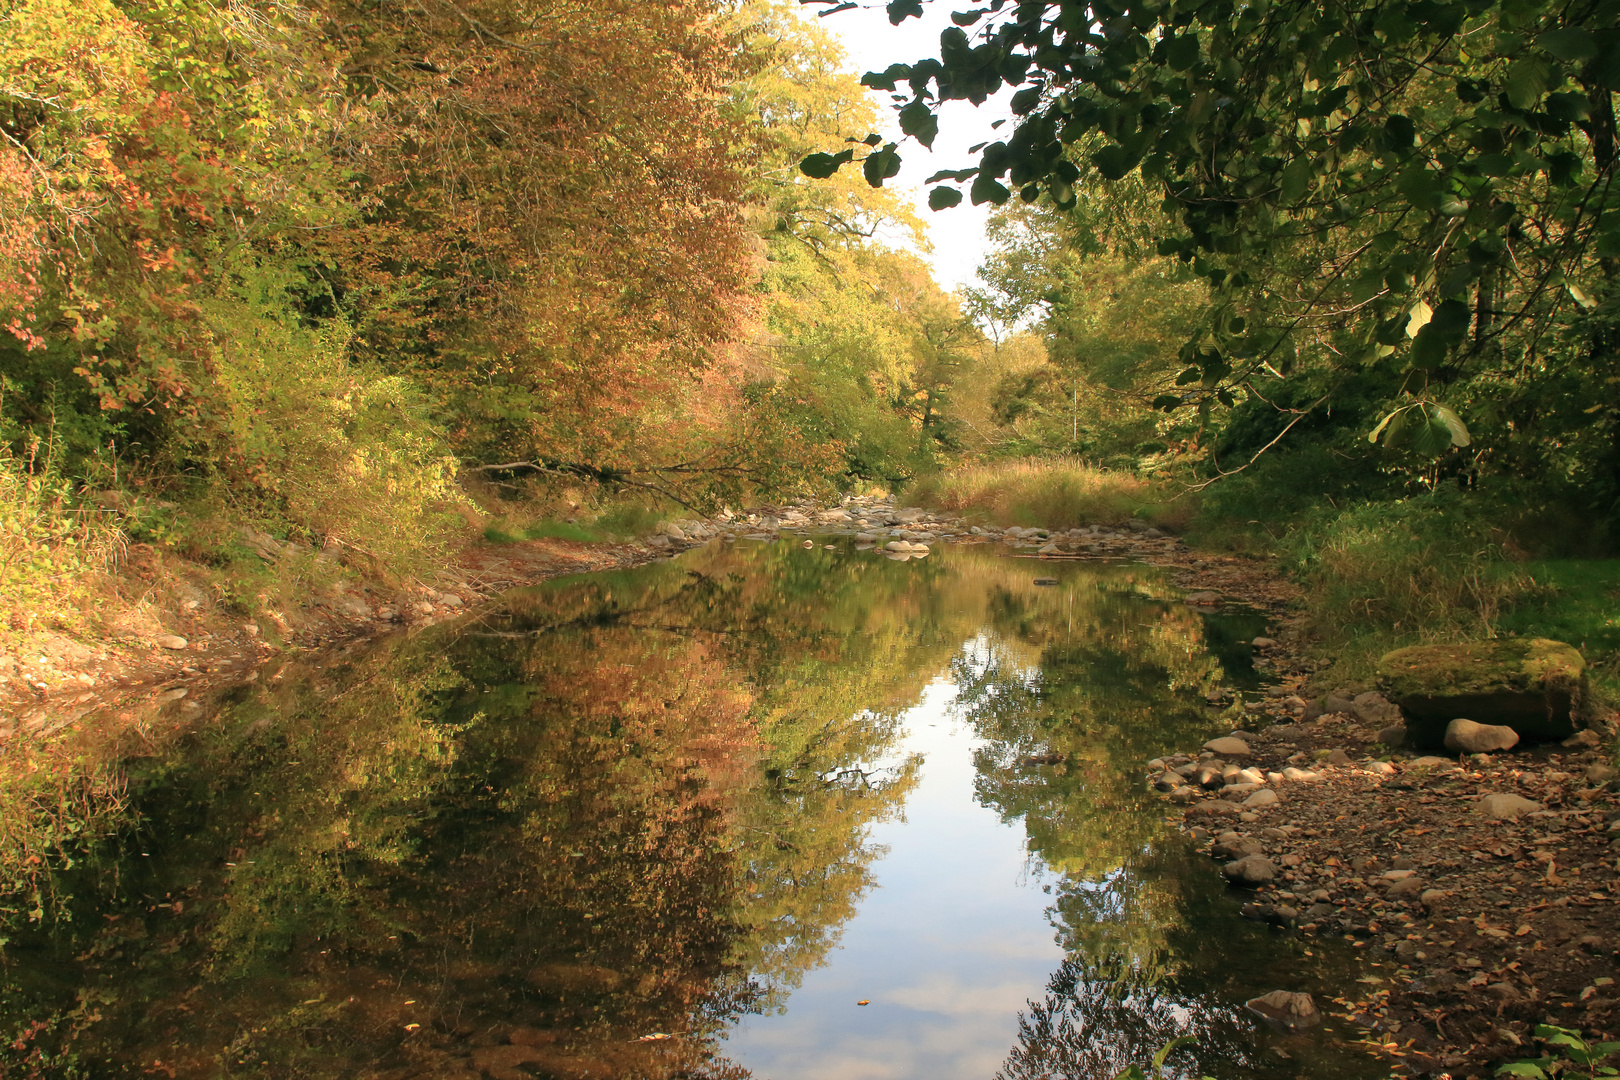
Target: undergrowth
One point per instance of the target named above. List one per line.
(1414, 571)
(1054, 494)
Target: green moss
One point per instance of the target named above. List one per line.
(1536, 686)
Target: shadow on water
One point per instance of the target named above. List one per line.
(585, 832)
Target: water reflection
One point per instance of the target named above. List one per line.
(586, 833)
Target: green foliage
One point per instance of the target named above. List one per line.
(1569, 1056)
(1440, 175)
(1576, 602)
(1155, 1068)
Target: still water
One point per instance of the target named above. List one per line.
(758, 811)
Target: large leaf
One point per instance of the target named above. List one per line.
(821, 166)
(942, 197)
(919, 121)
(1569, 43)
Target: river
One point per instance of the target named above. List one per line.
(756, 811)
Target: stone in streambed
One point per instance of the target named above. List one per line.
(1538, 687)
(1292, 1012)
(1263, 797)
(1468, 737)
(1506, 806)
(1227, 746)
(1213, 808)
(1250, 870)
(1375, 710)
(1405, 887)
(1394, 735)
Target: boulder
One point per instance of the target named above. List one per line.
(1506, 806)
(170, 641)
(1394, 735)
(1535, 686)
(1263, 797)
(1227, 746)
(1292, 1012)
(1250, 870)
(1468, 737)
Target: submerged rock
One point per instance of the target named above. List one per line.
(1290, 1011)
(1537, 687)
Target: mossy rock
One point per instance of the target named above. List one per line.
(1535, 686)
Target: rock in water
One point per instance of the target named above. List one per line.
(1228, 747)
(1250, 870)
(1472, 738)
(1505, 806)
(1292, 1012)
(1537, 687)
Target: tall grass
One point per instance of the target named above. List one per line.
(1052, 493)
(1415, 571)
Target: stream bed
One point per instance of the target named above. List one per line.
(756, 811)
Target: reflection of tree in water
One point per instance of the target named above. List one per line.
(1098, 1018)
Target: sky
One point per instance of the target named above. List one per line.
(872, 44)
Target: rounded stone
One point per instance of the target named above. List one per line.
(1465, 736)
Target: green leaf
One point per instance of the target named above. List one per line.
(1444, 330)
(1569, 43)
(901, 10)
(1164, 1051)
(1526, 82)
(1417, 318)
(1166, 402)
(821, 166)
(1522, 1068)
(880, 165)
(1113, 161)
(1296, 177)
(1189, 376)
(1182, 52)
(942, 197)
(987, 189)
(919, 121)
(1581, 296)
(1455, 428)
(886, 79)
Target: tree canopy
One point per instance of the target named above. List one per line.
(1422, 189)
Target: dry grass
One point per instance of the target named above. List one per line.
(1053, 494)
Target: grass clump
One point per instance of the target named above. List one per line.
(1426, 570)
(1053, 493)
(1579, 602)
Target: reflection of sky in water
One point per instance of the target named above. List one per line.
(949, 947)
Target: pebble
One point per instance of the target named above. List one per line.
(1228, 747)
(1250, 870)
(1506, 806)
